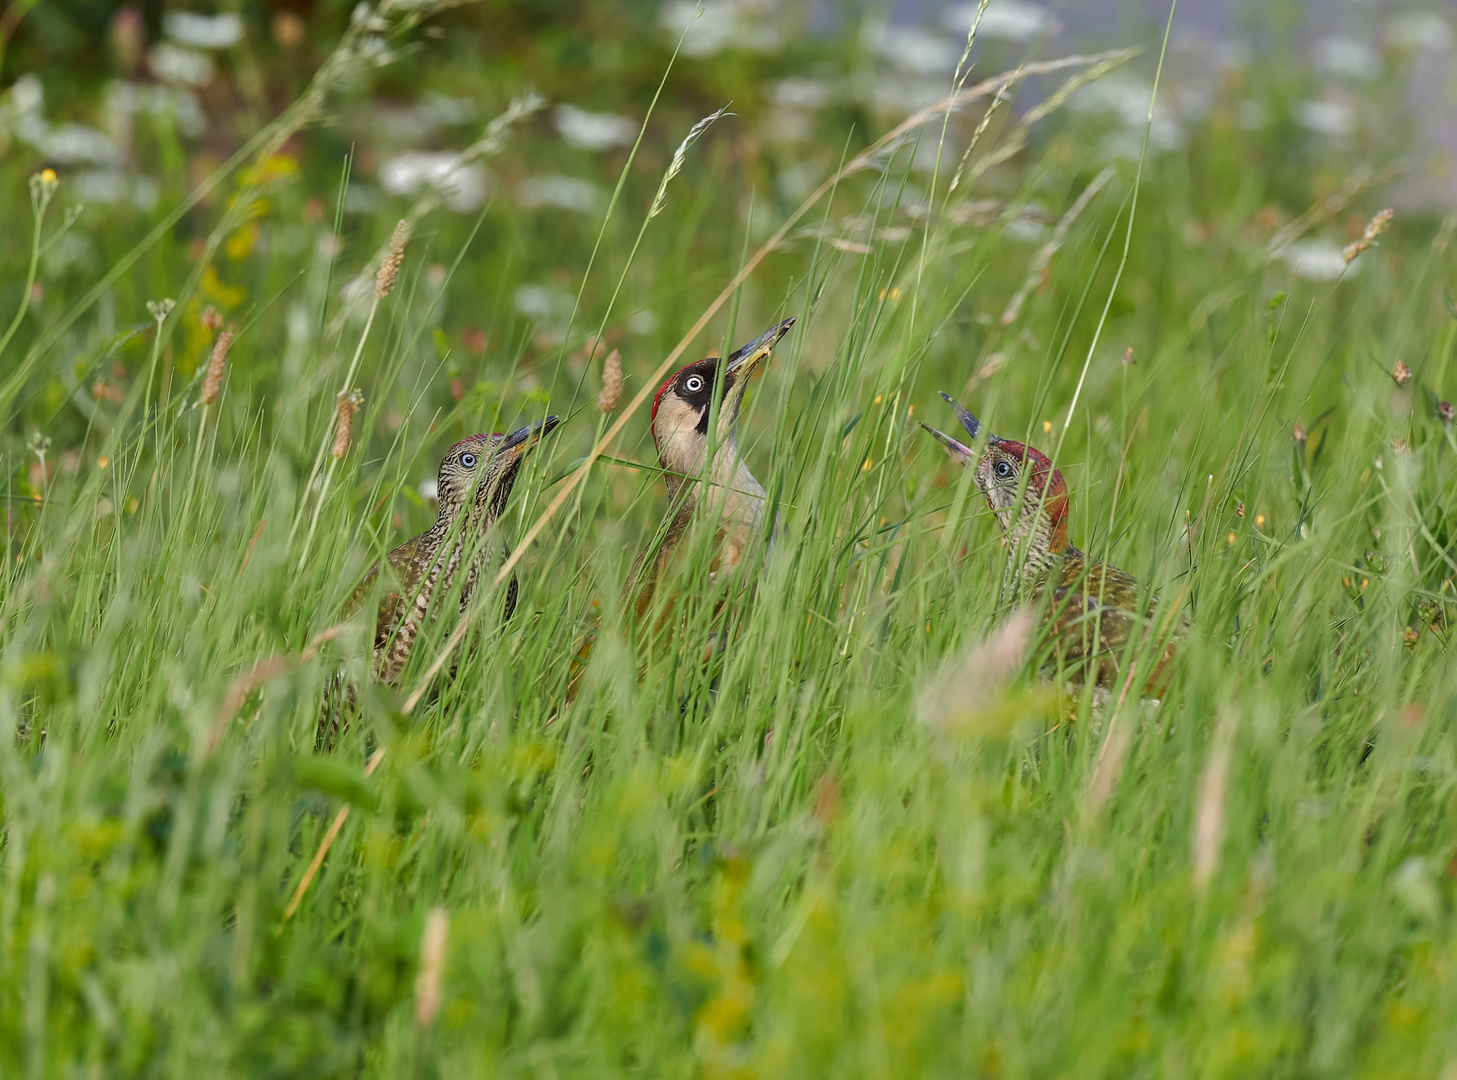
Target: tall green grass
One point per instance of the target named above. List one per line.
(790, 860)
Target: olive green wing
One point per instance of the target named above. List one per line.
(1095, 610)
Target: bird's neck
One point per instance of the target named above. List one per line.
(731, 492)
(1033, 553)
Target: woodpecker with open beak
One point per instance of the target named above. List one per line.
(1095, 606)
(723, 490)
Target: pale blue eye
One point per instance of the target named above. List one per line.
(468, 460)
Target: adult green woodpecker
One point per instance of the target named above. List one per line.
(732, 500)
(1096, 608)
(721, 491)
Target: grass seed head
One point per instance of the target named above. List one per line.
(1446, 411)
(213, 381)
(1374, 228)
(1401, 373)
(389, 269)
(611, 382)
(348, 405)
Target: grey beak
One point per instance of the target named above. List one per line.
(963, 454)
(971, 423)
(747, 357)
(523, 435)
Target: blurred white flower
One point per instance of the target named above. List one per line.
(73, 143)
(1126, 97)
(786, 125)
(452, 112)
(642, 322)
(1420, 30)
(416, 122)
(562, 192)
(1413, 883)
(1025, 230)
(1325, 117)
(176, 103)
(594, 130)
(71, 249)
(546, 306)
(1317, 260)
(100, 186)
(362, 199)
(800, 93)
(1347, 56)
(1010, 20)
(175, 64)
(203, 31)
(725, 24)
(27, 95)
(463, 186)
(23, 112)
(912, 48)
(106, 186)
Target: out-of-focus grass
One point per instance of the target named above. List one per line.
(777, 866)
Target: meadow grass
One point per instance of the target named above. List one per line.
(797, 859)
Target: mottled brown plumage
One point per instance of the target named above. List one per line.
(1095, 609)
(474, 485)
(475, 481)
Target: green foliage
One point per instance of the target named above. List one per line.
(769, 857)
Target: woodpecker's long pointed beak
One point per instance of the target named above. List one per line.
(963, 454)
(969, 422)
(743, 360)
(520, 441)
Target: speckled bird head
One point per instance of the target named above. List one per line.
(1000, 473)
(482, 470)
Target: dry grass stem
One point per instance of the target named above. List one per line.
(1209, 819)
(1113, 750)
(970, 685)
(432, 967)
(324, 845)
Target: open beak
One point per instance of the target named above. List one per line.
(523, 439)
(743, 360)
(963, 454)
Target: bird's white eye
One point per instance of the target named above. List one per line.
(693, 383)
(1003, 469)
(468, 460)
